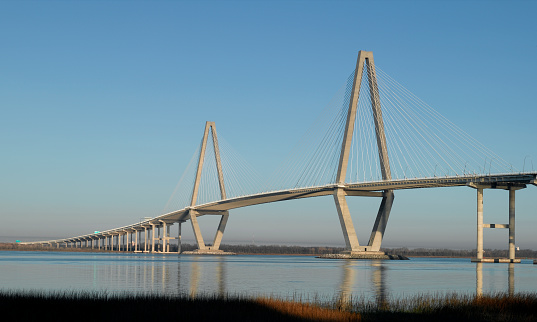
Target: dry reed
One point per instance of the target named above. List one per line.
(104, 306)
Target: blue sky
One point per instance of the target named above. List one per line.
(103, 104)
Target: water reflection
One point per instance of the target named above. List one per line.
(221, 277)
(378, 278)
(347, 280)
(510, 278)
(218, 275)
(194, 278)
(260, 275)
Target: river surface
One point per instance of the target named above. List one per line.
(306, 277)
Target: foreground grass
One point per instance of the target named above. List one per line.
(91, 306)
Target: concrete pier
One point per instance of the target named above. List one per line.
(511, 225)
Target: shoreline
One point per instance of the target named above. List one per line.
(17, 247)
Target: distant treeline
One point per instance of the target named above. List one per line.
(492, 253)
(279, 249)
(306, 250)
(299, 250)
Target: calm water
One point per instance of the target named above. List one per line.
(258, 275)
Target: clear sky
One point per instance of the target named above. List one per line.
(103, 103)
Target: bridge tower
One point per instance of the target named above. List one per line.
(364, 61)
(194, 214)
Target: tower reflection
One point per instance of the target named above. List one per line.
(510, 279)
(219, 277)
(378, 278)
(347, 280)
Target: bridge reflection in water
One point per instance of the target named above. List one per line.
(346, 281)
(510, 279)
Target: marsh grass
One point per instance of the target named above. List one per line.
(104, 306)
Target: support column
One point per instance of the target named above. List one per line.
(196, 229)
(220, 231)
(179, 239)
(164, 237)
(136, 233)
(209, 127)
(351, 240)
(380, 223)
(479, 223)
(145, 239)
(364, 61)
(153, 234)
(167, 248)
(512, 223)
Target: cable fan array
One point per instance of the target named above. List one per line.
(421, 143)
(314, 159)
(239, 177)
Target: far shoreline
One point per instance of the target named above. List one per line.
(281, 251)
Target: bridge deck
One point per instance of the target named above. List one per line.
(499, 181)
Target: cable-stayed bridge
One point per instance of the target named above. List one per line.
(375, 137)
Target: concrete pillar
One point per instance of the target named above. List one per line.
(196, 229)
(381, 222)
(220, 231)
(351, 240)
(479, 223)
(511, 223)
(179, 239)
(165, 229)
(167, 248)
(145, 239)
(136, 233)
(153, 235)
